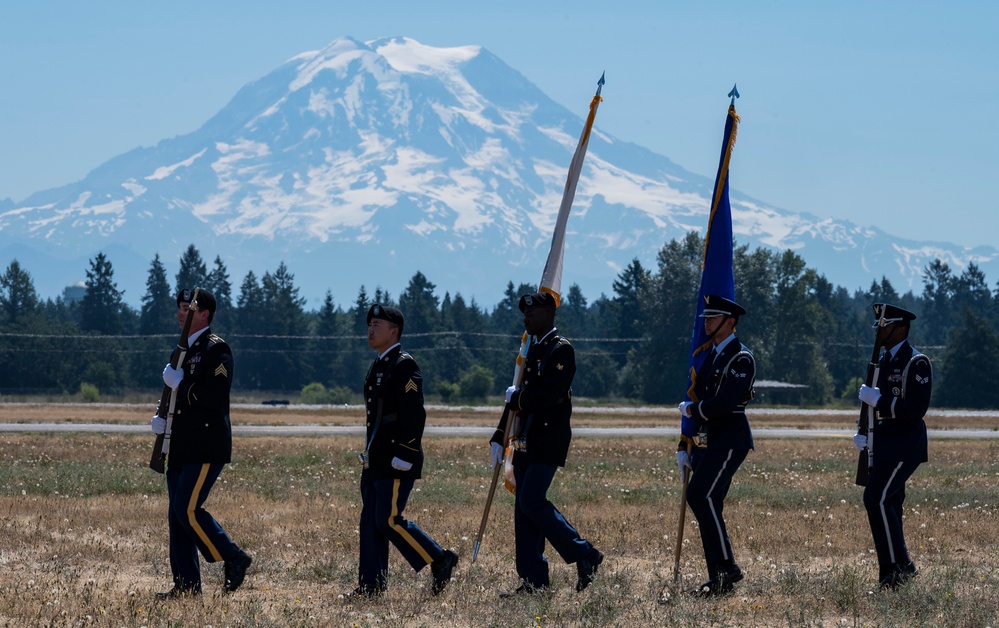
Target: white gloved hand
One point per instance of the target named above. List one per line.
(496, 453)
(869, 395)
(172, 376)
(158, 424)
(683, 408)
(509, 393)
(401, 465)
(860, 441)
(683, 462)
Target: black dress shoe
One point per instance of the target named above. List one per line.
(442, 568)
(235, 570)
(728, 576)
(723, 582)
(899, 575)
(587, 568)
(178, 592)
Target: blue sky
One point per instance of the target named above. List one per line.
(877, 112)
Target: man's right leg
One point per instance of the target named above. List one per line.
(373, 545)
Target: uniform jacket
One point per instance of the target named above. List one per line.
(396, 381)
(200, 431)
(899, 430)
(545, 401)
(722, 397)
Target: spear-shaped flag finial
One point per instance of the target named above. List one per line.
(600, 83)
(734, 93)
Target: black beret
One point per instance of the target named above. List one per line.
(538, 299)
(715, 305)
(386, 313)
(891, 314)
(206, 301)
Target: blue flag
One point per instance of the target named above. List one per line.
(717, 276)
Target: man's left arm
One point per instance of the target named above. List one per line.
(411, 414)
(732, 392)
(212, 380)
(918, 386)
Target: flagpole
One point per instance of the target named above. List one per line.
(551, 282)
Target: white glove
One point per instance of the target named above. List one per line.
(401, 465)
(860, 441)
(496, 453)
(683, 408)
(172, 376)
(509, 392)
(683, 462)
(158, 424)
(869, 395)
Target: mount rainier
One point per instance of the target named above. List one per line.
(361, 163)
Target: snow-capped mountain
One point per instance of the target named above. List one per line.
(362, 163)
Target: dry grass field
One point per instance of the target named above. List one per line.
(83, 538)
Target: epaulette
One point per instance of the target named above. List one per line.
(215, 339)
(403, 356)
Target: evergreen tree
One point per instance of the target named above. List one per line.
(18, 298)
(938, 292)
(657, 371)
(974, 342)
(250, 321)
(284, 309)
(419, 305)
(971, 291)
(192, 273)
(625, 306)
(217, 282)
(103, 311)
(158, 314)
(101, 305)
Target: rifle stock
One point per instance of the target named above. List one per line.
(157, 460)
(161, 445)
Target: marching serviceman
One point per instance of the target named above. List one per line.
(200, 446)
(721, 435)
(393, 461)
(544, 400)
(898, 443)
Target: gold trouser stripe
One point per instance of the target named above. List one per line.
(193, 521)
(401, 530)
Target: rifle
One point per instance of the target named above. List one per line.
(168, 400)
(865, 459)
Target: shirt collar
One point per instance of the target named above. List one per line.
(386, 352)
(724, 343)
(193, 337)
(542, 339)
(894, 350)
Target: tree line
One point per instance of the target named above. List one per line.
(632, 345)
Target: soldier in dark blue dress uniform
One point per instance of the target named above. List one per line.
(544, 400)
(720, 429)
(393, 461)
(898, 442)
(200, 446)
